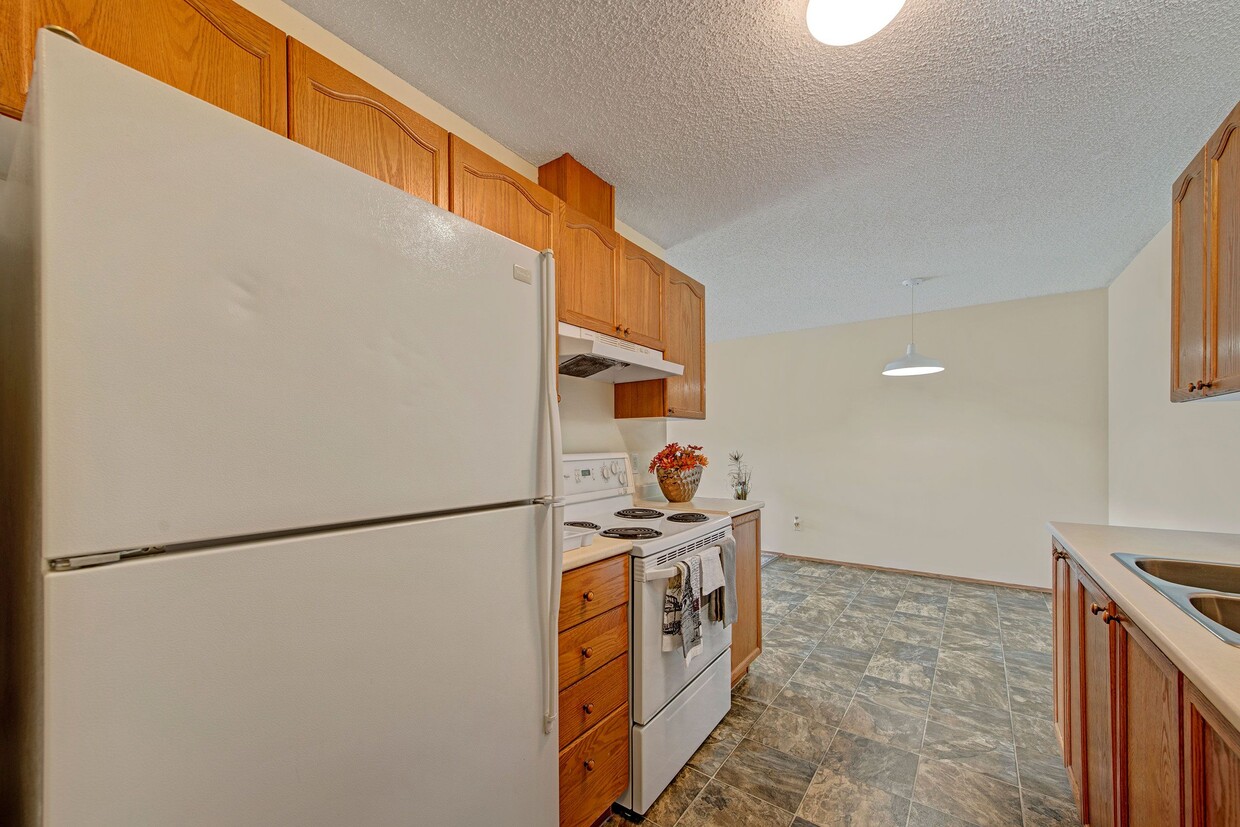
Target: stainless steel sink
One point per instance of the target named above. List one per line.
(1218, 577)
(1209, 593)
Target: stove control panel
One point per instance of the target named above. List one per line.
(598, 474)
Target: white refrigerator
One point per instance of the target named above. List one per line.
(282, 534)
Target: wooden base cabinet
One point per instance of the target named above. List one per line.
(594, 690)
(747, 630)
(1142, 746)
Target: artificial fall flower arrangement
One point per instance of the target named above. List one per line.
(677, 457)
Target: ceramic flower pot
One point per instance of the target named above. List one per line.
(679, 486)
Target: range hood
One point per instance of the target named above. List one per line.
(590, 355)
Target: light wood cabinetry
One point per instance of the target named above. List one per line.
(639, 296)
(1143, 747)
(489, 193)
(1147, 730)
(213, 49)
(1205, 270)
(747, 630)
(1212, 764)
(684, 314)
(587, 262)
(580, 188)
(594, 690)
(334, 112)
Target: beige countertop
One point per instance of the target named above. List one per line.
(707, 505)
(600, 549)
(1212, 665)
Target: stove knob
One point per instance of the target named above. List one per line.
(605, 472)
(623, 478)
(615, 466)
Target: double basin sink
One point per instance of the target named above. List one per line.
(1209, 593)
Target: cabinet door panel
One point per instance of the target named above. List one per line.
(747, 631)
(587, 257)
(212, 49)
(1223, 255)
(1062, 582)
(1188, 281)
(1098, 783)
(1147, 737)
(340, 115)
(500, 199)
(1211, 764)
(684, 338)
(14, 60)
(639, 297)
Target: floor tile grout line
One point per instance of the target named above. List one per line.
(1007, 687)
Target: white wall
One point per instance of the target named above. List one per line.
(955, 473)
(1172, 465)
(586, 416)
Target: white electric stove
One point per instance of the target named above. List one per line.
(674, 705)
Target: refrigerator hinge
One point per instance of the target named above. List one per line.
(103, 559)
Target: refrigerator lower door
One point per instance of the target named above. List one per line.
(391, 675)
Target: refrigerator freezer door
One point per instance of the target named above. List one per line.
(390, 675)
(238, 335)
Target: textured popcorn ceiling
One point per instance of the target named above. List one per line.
(1003, 148)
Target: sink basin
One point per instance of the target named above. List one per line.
(1209, 593)
(1218, 577)
(1222, 609)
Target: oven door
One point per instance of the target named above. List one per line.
(659, 676)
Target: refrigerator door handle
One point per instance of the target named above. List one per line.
(555, 565)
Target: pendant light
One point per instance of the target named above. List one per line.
(845, 22)
(912, 363)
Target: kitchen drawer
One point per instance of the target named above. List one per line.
(594, 770)
(593, 698)
(591, 590)
(593, 644)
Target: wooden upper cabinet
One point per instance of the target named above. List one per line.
(487, 192)
(334, 112)
(580, 188)
(684, 336)
(1223, 257)
(212, 49)
(14, 57)
(639, 297)
(1188, 281)
(587, 259)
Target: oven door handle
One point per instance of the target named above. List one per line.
(659, 574)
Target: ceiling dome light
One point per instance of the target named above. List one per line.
(845, 22)
(912, 363)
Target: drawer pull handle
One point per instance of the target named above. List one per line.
(588, 596)
(590, 765)
(587, 652)
(589, 709)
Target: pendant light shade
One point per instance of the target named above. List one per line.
(912, 363)
(845, 22)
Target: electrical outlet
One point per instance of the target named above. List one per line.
(796, 523)
(637, 467)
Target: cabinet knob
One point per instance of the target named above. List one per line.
(626, 331)
(1094, 608)
(587, 652)
(588, 596)
(1107, 617)
(590, 765)
(588, 709)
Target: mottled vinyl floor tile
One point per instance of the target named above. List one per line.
(719, 805)
(768, 774)
(1036, 703)
(926, 631)
(908, 663)
(961, 714)
(1041, 811)
(922, 816)
(846, 803)
(789, 732)
(713, 753)
(887, 726)
(820, 705)
(951, 788)
(972, 678)
(869, 762)
(974, 750)
(671, 805)
(897, 696)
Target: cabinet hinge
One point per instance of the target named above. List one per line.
(102, 559)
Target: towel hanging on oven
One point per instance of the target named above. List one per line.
(682, 620)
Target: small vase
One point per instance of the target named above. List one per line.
(679, 486)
